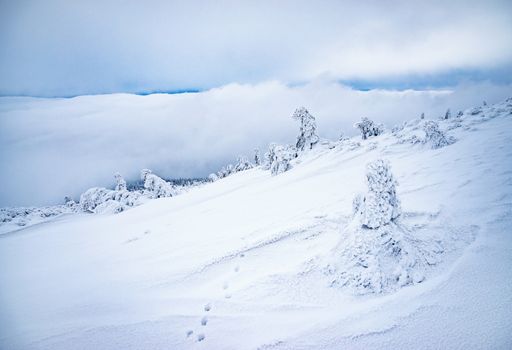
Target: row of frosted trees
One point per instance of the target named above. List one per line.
(278, 156)
(277, 160)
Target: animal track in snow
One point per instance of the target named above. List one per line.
(200, 337)
(204, 321)
(189, 333)
(207, 307)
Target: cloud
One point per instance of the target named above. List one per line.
(50, 148)
(63, 48)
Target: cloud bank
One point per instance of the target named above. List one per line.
(66, 48)
(50, 148)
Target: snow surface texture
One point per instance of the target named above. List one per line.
(243, 262)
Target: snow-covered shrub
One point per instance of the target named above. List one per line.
(120, 183)
(368, 128)
(242, 164)
(154, 186)
(448, 114)
(380, 205)
(94, 197)
(281, 160)
(213, 177)
(475, 110)
(307, 136)
(69, 202)
(434, 136)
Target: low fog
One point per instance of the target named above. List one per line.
(50, 148)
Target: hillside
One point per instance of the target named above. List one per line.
(255, 261)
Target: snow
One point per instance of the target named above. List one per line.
(248, 261)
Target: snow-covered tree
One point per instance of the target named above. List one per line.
(307, 136)
(422, 116)
(120, 183)
(485, 104)
(368, 128)
(460, 114)
(257, 158)
(242, 164)
(154, 186)
(380, 205)
(281, 160)
(269, 156)
(434, 136)
(448, 114)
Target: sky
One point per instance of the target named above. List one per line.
(108, 85)
(67, 48)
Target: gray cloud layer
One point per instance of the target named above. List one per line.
(60, 47)
(50, 148)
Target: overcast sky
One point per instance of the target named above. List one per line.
(63, 48)
(252, 63)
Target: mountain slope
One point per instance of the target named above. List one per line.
(241, 263)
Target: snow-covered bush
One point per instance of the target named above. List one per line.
(242, 164)
(120, 183)
(213, 177)
(380, 205)
(94, 197)
(434, 136)
(448, 114)
(281, 160)
(154, 186)
(307, 136)
(368, 128)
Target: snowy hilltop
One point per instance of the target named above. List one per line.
(356, 243)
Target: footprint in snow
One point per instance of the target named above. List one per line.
(207, 307)
(200, 337)
(189, 333)
(204, 321)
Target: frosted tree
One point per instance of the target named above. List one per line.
(380, 205)
(368, 128)
(434, 136)
(281, 160)
(154, 186)
(307, 135)
(448, 114)
(120, 183)
(242, 164)
(269, 156)
(257, 158)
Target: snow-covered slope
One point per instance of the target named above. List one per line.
(255, 261)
